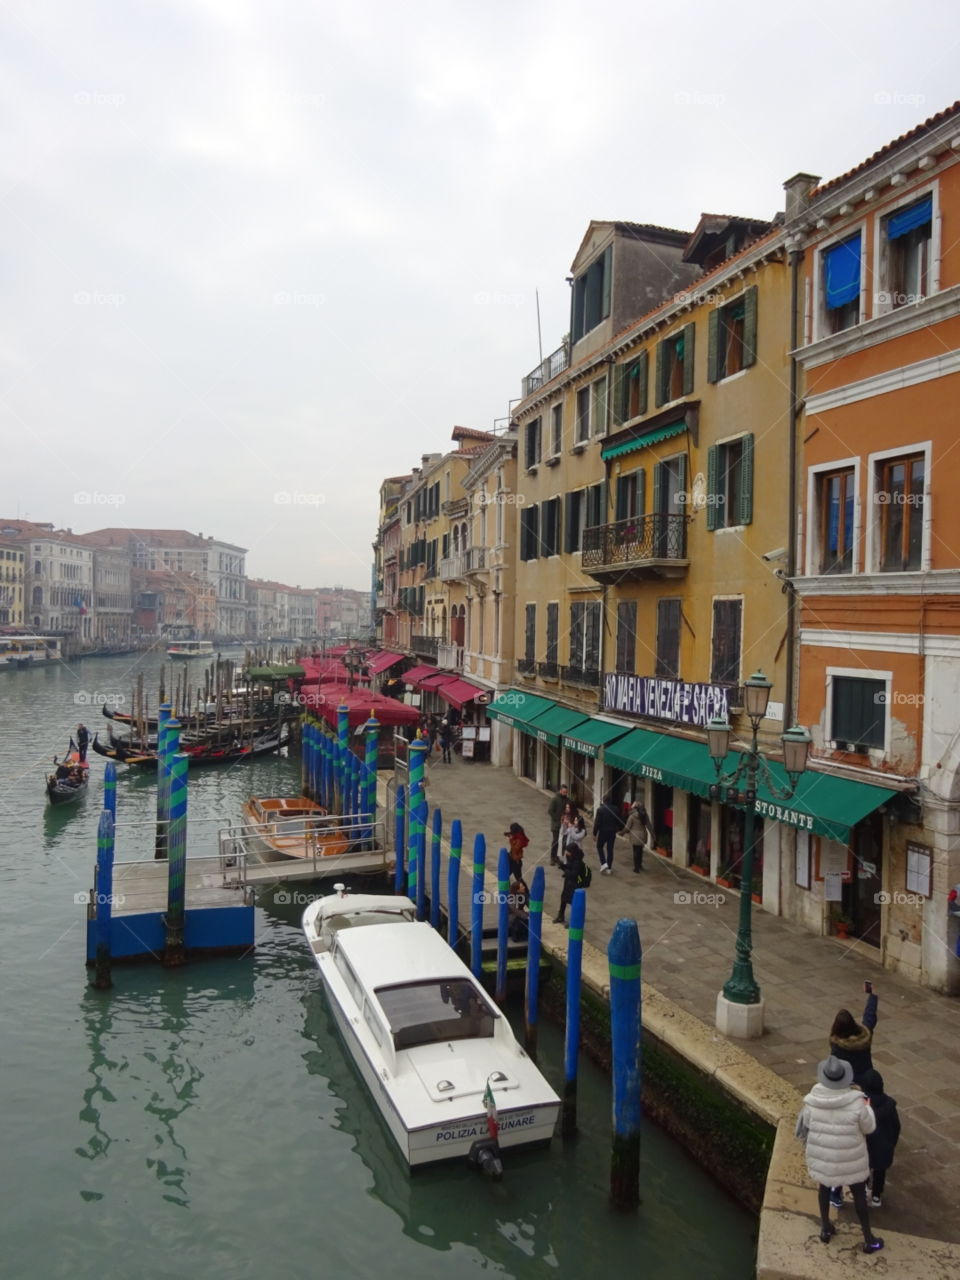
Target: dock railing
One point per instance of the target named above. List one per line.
(318, 846)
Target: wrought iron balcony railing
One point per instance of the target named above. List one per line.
(634, 541)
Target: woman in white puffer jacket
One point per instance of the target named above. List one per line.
(835, 1120)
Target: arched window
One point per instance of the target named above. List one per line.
(37, 596)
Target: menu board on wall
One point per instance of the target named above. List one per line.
(919, 868)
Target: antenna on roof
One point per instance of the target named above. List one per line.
(539, 334)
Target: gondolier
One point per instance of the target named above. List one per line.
(83, 741)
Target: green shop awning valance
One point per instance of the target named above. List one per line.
(552, 724)
(517, 708)
(641, 441)
(823, 803)
(590, 736)
(289, 672)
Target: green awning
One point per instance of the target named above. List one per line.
(823, 803)
(641, 442)
(517, 708)
(589, 737)
(551, 725)
(274, 672)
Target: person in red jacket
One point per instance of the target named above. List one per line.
(518, 842)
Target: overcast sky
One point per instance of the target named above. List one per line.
(258, 256)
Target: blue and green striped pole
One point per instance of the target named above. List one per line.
(174, 953)
(625, 956)
(436, 832)
(418, 754)
(571, 1048)
(453, 883)
(399, 840)
(343, 764)
(476, 905)
(110, 790)
(163, 792)
(104, 901)
(503, 923)
(306, 784)
(372, 743)
(326, 768)
(534, 946)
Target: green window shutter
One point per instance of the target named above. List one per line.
(620, 510)
(689, 333)
(658, 488)
(745, 514)
(621, 393)
(713, 343)
(568, 523)
(659, 390)
(641, 491)
(750, 327)
(713, 485)
(642, 373)
(607, 281)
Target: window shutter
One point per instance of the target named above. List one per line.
(750, 327)
(745, 514)
(621, 393)
(659, 390)
(658, 488)
(713, 343)
(689, 333)
(641, 474)
(713, 485)
(568, 523)
(534, 532)
(620, 512)
(642, 372)
(607, 281)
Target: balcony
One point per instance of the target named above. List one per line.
(450, 657)
(581, 675)
(475, 559)
(425, 646)
(452, 568)
(639, 547)
(548, 368)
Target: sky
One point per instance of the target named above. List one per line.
(256, 257)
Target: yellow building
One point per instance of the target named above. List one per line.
(12, 564)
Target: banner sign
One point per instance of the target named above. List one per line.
(662, 699)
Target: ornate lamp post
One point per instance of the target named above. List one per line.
(740, 1004)
(353, 661)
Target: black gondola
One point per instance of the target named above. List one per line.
(69, 783)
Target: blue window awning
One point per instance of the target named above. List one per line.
(841, 273)
(915, 215)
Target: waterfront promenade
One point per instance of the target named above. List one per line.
(688, 950)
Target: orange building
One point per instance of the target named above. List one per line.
(877, 541)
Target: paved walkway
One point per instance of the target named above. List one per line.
(688, 950)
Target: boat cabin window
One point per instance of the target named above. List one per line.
(349, 977)
(434, 1011)
(372, 1021)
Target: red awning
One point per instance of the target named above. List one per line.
(360, 703)
(458, 692)
(378, 662)
(416, 674)
(436, 680)
(327, 669)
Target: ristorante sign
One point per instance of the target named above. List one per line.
(662, 699)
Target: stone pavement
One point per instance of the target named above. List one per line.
(688, 949)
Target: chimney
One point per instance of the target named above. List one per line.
(798, 189)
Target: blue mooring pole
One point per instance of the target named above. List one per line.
(415, 807)
(306, 760)
(174, 953)
(571, 1048)
(372, 750)
(104, 900)
(534, 944)
(437, 828)
(343, 748)
(110, 790)
(503, 924)
(625, 955)
(453, 883)
(476, 905)
(422, 860)
(163, 791)
(399, 839)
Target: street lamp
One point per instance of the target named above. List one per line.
(739, 1004)
(353, 661)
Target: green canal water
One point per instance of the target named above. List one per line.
(208, 1122)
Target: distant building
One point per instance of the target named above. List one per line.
(58, 572)
(12, 560)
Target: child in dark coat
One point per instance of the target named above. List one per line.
(518, 840)
(882, 1142)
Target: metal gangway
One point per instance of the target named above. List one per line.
(303, 848)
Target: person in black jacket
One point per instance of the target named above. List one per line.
(606, 826)
(83, 741)
(852, 1042)
(572, 868)
(883, 1141)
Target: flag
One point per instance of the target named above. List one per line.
(78, 604)
(493, 1124)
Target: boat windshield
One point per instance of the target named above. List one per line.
(434, 1011)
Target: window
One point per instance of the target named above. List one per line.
(630, 494)
(730, 483)
(591, 295)
(585, 635)
(529, 532)
(858, 712)
(574, 520)
(668, 638)
(532, 443)
(835, 517)
(631, 394)
(530, 633)
(596, 504)
(907, 238)
(732, 337)
(433, 1012)
(725, 647)
(556, 414)
(675, 365)
(841, 284)
(553, 634)
(598, 406)
(550, 528)
(627, 635)
(900, 497)
(583, 415)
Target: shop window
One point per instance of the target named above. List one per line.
(858, 712)
(732, 337)
(900, 498)
(662, 817)
(733, 847)
(528, 757)
(699, 815)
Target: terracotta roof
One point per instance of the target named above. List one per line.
(928, 126)
(470, 433)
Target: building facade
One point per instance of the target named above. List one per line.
(12, 575)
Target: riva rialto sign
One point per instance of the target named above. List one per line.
(661, 699)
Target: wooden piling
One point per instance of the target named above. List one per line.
(624, 954)
(571, 1048)
(534, 947)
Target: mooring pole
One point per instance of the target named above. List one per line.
(571, 1049)
(163, 794)
(110, 790)
(174, 952)
(422, 859)
(343, 747)
(306, 778)
(453, 883)
(534, 935)
(418, 753)
(326, 768)
(104, 900)
(372, 741)
(436, 830)
(503, 924)
(625, 956)
(476, 905)
(399, 839)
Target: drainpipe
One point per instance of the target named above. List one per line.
(796, 258)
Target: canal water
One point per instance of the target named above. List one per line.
(208, 1122)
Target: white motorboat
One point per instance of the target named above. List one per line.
(440, 1060)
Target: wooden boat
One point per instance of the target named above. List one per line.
(70, 789)
(440, 1061)
(279, 827)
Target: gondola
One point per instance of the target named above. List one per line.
(72, 788)
(202, 754)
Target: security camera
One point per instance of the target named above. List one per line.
(777, 554)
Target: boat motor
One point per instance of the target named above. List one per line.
(485, 1156)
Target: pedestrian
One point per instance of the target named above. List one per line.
(882, 1143)
(637, 828)
(83, 741)
(570, 814)
(555, 814)
(573, 867)
(851, 1041)
(446, 741)
(835, 1121)
(518, 842)
(518, 928)
(607, 824)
